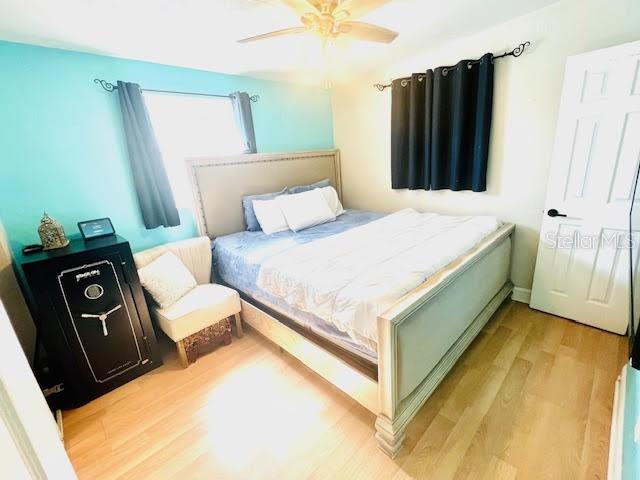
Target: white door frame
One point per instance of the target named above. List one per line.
(28, 428)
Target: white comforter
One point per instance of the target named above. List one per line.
(349, 278)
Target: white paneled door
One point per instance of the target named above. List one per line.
(582, 269)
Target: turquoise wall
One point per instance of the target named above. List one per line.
(62, 147)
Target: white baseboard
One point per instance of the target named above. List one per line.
(521, 295)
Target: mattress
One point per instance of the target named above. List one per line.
(237, 259)
(350, 278)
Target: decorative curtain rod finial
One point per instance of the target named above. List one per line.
(109, 87)
(520, 48)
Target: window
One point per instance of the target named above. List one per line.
(188, 126)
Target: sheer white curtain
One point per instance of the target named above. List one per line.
(188, 126)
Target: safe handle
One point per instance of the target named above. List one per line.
(102, 316)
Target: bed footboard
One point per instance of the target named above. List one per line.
(422, 336)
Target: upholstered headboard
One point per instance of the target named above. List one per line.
(219, 183)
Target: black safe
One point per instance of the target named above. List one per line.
(92, 320)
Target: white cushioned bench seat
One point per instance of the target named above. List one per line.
(192, 319)
(197, 310)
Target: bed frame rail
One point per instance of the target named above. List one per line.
(350, 380)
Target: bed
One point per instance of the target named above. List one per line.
(417, 337)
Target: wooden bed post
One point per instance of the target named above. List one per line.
(390, 438)
(390, 442)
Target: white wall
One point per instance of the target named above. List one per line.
(526, 98)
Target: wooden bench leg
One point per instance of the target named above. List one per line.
(182, 354)
(239, 331)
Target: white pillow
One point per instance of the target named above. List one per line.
(331, 196)
(269, 215)
(167, 279)
(306, 209)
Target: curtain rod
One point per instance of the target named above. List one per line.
(110, 87)
(516, 52)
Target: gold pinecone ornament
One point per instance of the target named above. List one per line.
(51, 233)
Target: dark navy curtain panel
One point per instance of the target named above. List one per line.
(244, 120)
(153, 190)
(440, 127)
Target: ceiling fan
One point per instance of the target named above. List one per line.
(333, 18)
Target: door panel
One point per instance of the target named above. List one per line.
(580, 172)
(582, 265)
(627, 160)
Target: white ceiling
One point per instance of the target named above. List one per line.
(202, 33)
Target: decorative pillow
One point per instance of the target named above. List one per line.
(306, 209)
(166, 279)
(306, 188)
(247, 205)
(331, 196)
(269, 215)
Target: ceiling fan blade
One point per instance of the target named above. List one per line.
(277, 33)
(368, 32)
(358, 8)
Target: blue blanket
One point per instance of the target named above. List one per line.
(237, 259)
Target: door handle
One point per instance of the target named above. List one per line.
(555, 213)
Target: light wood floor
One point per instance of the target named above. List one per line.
(531, 398)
